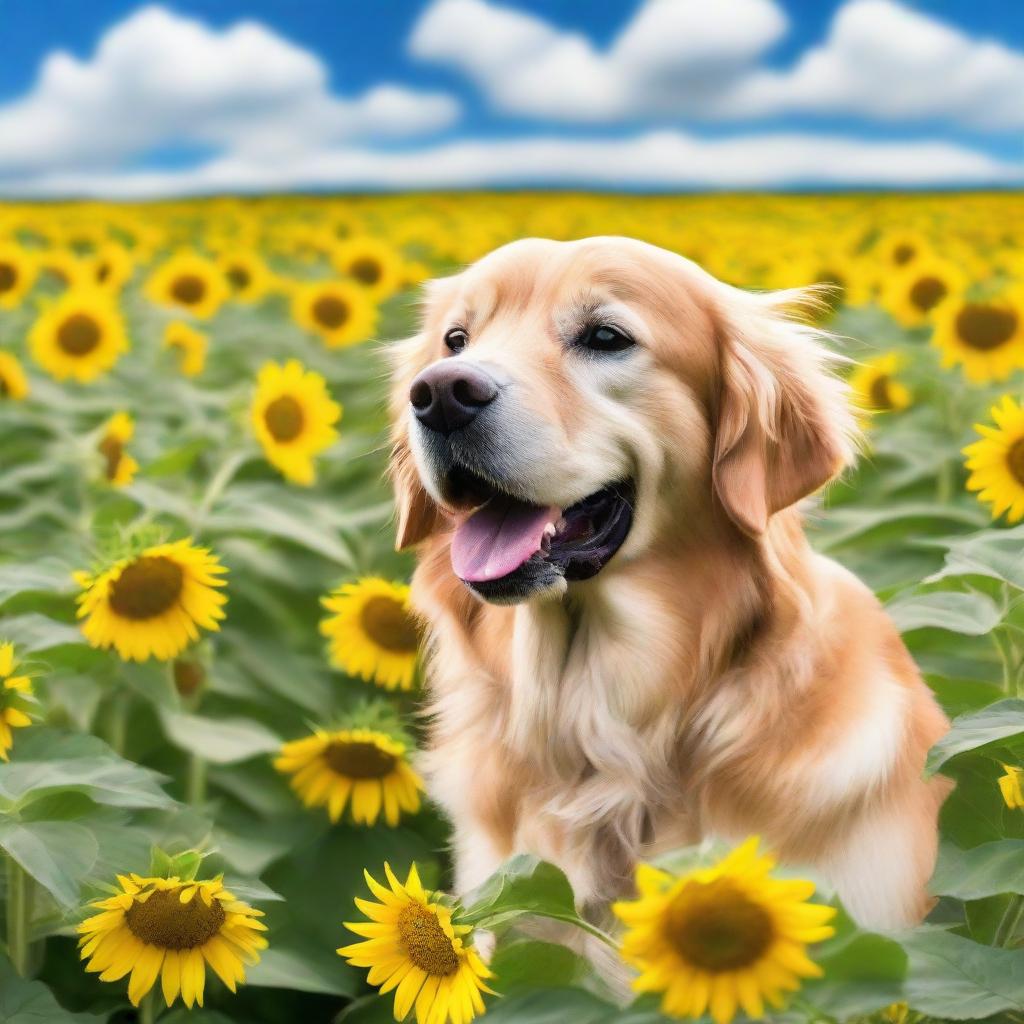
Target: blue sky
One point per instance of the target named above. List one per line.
(121, 98)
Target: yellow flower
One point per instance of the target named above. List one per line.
(1011, 785)
(190, 282)
(67, 269)
(18, 271)
(246, 274)
(15, 693)
(372, 633)
(13, 382)
(996, 462)
(171, 929)
(338, 311)
(293, 417)
(985, 336)
(190, 344)
(119, 467)
(846, 283)
(875, 387)
(362, 768)
(412, 945)
(80, 336)
(722, 937)
(913, 294)
(154, 604)
(371, 263)
(900, 249)
(112, 267)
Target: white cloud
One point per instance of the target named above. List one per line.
(158, 79)
(659, 160)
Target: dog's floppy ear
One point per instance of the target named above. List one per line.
(785, 427)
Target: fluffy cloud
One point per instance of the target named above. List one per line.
(158, 80)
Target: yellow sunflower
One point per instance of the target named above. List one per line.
(112, 267)
(190, 344)
(984, 336)
(875, 387)
(15, 695)
(191, 282)
(293, 417)
(119, 467)
(18, 270)
(370, 262)
(154, 604)
(80, 336)
(13, 382)
(66, 268)
(372, 633)
(362, 768)
(1011, 785)
(171, 929)
(246, 274)
(900, 249)
(722, 937)
(338, 311)
(996, 462)
(912, 294)
(412, 945)
(845, 281)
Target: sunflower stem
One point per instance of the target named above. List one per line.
(196, 783)
(215, 488)
(148, 1008)
(1010, 921)
(19, 914)
(117, 722)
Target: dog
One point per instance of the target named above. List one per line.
(598, 453)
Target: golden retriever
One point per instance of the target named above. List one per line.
(599, 449)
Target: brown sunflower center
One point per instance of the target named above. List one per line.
(985, 327)
(5, 388)
(879, 393)
(1015, 460)
(8, 276)
(366, 269)
(329, 311)
(425, 942)
(102, 272)
(189, 677)
(164, 921)
(359, 759)
(188, 289)
(284, 418)
(79, 334)
(716, 927)
(927, 292)
(239, 277)
(111, 449)
(903, 254)
(147, 588)
(389, 625)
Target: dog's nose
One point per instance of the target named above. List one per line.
(447, 395)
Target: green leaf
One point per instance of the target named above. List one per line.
(33, 633)
(47, 576)
(986, 870)
(523, 885)
(531, 964)
(57, 854)
(31, 1002)
(1001, 721)
(955, 979)
(305, 970)
(996, 554)
(971, 614)
(218, 740)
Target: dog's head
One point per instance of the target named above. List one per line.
(569, 403)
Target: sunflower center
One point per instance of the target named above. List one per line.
(716, 927)
(284, 418)
(189, 677)
(881, 397)
(359, 760)
(78, 335)
(102, 272)
(189, 289)
(111, 449)
(985, 327)
(330, 311)
(147, 588)
(389, 626)
(8, 277)
(366, 270)
(239, 278)
(425, 942)
(1015, 460)
(927, 292)
(164, 921)
(903, 254)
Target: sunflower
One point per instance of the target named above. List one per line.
(246, 274)
(171, 929)
(985, 336)
(412, 945)
(190, 344)
(845, 283)
(18, 271)
(361, 767)
(900, 249)
(996, 462)
(293, 417)
(15, 695)
(190, 282)
(722, 937)
(913, 294)
(80, 336)
(119, 467)
(112, 267)
(13, 382)
(1011, 785)
(370, 262)
(152, 605)
(338, 311)
(66, 268)
(875, 387)
(372, 633)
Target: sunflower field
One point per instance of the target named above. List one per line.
(209, 804)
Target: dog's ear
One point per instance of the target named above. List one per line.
(785, 427)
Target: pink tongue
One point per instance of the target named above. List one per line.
(496, 539)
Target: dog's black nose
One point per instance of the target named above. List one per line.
(447, 395)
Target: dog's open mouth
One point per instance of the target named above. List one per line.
(508, 548)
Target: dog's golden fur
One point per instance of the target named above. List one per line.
(718, 677)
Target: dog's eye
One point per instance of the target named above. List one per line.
(605, 338)
(456, 339)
